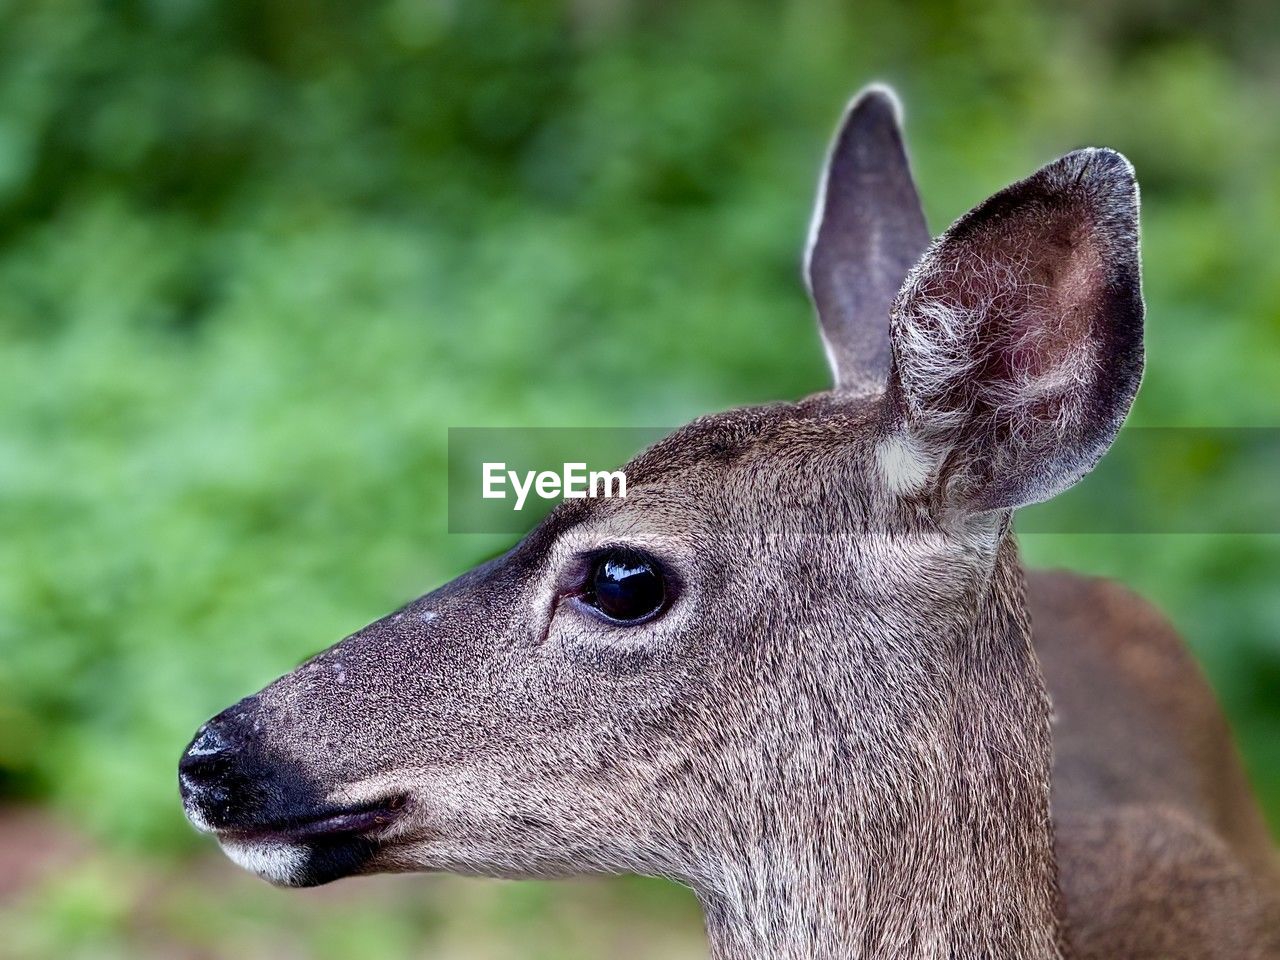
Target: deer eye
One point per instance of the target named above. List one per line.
(626, 586)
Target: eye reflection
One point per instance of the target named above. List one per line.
(626, 586)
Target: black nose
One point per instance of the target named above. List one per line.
(220, 775)
(207, 760)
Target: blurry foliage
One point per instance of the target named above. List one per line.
(255, 258)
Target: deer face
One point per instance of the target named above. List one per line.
(653, 684)
(595, 700)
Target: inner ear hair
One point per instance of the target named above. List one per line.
(1018, 338)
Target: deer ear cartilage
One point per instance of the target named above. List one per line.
(798, 666)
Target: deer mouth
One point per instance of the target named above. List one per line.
(317, 848)
(334, 823)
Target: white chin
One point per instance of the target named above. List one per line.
(273, 861)
(196, 818)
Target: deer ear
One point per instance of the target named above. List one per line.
(867, 231)
(1018, 338)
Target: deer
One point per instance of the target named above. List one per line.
(799, 668)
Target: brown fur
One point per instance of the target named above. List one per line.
(1162, 850)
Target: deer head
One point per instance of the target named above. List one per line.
(791, 668)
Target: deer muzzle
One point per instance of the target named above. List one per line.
(269, 816)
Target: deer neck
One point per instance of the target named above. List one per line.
(946, 851)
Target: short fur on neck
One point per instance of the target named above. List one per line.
(944, 852)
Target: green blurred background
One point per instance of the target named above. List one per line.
(256, 258)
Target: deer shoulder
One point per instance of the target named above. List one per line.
(1159, 842)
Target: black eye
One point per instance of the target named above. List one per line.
(626, 586)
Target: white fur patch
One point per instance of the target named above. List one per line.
(833, 362)
(906, 463)
(193, 813)
(276, 862)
